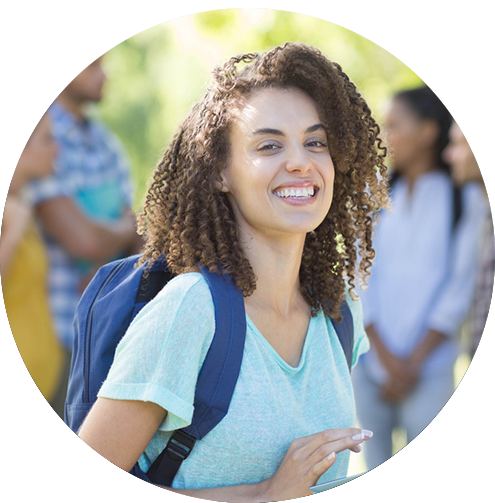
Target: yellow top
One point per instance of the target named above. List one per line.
(26, 302)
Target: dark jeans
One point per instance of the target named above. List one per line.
(20, 438)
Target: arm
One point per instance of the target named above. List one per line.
(394, 365)
(120, 430)
(81, 237)
(15, 221)
(433, 339)
(115, 434)
(402, 373)
(457, 292)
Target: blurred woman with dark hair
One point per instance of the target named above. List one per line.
(30, 357)
(422, 278)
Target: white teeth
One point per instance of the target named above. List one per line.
(301, 192)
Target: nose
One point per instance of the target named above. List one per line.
(298, 160)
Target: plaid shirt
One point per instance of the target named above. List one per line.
(482, 330)
(90, 165)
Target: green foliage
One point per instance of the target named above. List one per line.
(156, 75)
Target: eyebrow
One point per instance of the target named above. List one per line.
(263, 131)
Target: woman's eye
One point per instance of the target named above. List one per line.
(268, 147)
(316, 144)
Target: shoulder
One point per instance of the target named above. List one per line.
(180, 316)
(361, 342)
(437, 186)
(183, 303)
(356, 309)
(185, 287)
(105, 134)
(474, 197)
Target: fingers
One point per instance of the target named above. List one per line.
(319, 468)
(323, 444)
(314, 441)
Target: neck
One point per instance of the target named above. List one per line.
(276, 264)
(417, 168)
(75, 107)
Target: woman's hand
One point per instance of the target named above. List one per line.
(307, 459)
(410, 490)
(402, 374)
(398, 387)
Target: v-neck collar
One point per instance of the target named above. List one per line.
(281, 362)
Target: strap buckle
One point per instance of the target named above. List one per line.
(180, 445)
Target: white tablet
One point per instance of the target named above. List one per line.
(407, 469)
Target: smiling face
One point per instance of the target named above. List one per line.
(279, 178)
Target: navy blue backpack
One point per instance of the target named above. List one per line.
(107, 307)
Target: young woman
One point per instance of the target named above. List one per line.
(422, 280)
(30, 357)
(274, 175)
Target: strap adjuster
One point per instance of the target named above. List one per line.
(180, 445)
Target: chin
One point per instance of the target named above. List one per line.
(304, 227)
(95, 95)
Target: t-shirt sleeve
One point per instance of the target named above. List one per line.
(159, 358)
(361, 341)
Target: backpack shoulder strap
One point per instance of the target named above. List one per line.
(345, 332)
(153, 281)
(217, 378)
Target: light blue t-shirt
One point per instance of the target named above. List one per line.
(159, 358)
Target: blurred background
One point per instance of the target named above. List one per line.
(161, 63)
(158, 63)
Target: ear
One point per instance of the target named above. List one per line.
(223, 184)
(51, 70)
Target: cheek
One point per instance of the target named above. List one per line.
(401, 140)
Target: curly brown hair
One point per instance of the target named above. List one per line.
(189, 220)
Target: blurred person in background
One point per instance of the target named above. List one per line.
(24, 267)
(472, 156)
(422, 279)
(85, 207)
